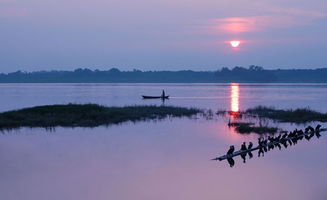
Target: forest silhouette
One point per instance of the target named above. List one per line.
(252, 74)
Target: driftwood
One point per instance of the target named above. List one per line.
(244, 152)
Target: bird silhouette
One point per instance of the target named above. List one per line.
(278, 138)
(318, 127)
(231, 150)
(250, 145)
(243, 147)
(310, 129)
(318, 134)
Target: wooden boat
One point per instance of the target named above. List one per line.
(155, 97)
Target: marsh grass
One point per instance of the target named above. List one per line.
(246, 128)
(88, 115)
(302, 115)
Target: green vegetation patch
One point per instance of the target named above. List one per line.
(302, 115)
(88, 115)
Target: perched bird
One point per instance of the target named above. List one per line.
(231, 150)
(243, 147)
(260, 141)
(318, 127)
(278, 138)
(250, 145)
(311, 129)
(284, 136)
(318, 134)
(306, 130)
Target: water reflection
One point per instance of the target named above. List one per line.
(235, 100)
(235, 96)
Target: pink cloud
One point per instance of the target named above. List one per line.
(235, 25)
(278, 18)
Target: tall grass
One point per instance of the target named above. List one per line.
(87, 115)
(302, 115)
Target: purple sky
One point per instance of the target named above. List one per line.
(161, 34)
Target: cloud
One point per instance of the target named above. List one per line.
(278, 18)
(235, 25)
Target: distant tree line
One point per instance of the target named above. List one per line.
(255, 74)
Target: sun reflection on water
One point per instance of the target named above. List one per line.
(235, 97)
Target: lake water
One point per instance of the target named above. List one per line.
(160, 160)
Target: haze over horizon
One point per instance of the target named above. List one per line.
(161, 35)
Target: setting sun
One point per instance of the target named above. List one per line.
(235, 43)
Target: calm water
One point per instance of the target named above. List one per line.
(162, 160)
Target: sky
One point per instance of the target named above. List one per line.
(161, 34)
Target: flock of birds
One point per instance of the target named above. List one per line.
(270, 143)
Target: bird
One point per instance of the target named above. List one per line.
(284, 136)
(231, 150)
(318, 134)
(310, 129)
(306, 130)
(277, 139)
(318, 127)
(250, 145)
(260, 141)
(243, 147)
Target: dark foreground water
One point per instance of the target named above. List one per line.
(161, 160)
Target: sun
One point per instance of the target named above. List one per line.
(235, 43)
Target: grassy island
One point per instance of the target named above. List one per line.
(87, 115)
(302, 115)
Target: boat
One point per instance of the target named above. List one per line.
(155, 97)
